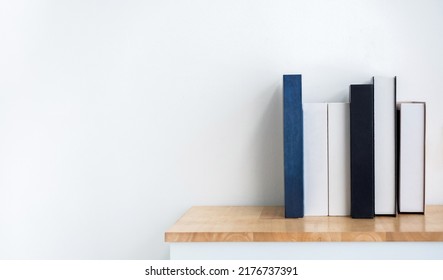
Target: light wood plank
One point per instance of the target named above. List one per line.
(267, 224)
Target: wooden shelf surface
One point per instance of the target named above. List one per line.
(267, 224)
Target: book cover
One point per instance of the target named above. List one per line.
(339, 159)
(385, 145)
(315, 133)
(362, 150)
(412, 138)
(293, 145)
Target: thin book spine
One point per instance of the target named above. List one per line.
(362, 151)
(315, 137)
(339, 175)
(385, 145)
(412, 157)
(293, 146)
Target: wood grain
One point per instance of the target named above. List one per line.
(267, 224)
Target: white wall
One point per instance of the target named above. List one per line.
(116, 116)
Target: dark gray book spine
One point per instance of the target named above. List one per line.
(362, 151)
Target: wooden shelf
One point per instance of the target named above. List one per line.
(267, 224)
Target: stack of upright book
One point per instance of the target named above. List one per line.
(360, 159)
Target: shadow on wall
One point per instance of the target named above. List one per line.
(269, 154)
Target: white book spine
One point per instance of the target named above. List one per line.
(384, 145)
(339, 159)
(315, 142)
(412, 158)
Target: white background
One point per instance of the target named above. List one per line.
(133, 270)
(117, 116)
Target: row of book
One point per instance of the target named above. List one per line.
(362, 158)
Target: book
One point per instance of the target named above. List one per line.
(385, 145)
(361, 99)
(339, 166)
(293, 145)
(412, 138)
(315, 156)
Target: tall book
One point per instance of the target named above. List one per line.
(293, 145)
(362, 150)
(339, 165)
(385, 145)
(315, 146)
(412, 121)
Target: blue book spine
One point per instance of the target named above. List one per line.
(293, 146)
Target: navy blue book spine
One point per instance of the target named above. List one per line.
(361, 100)
(293, 146)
